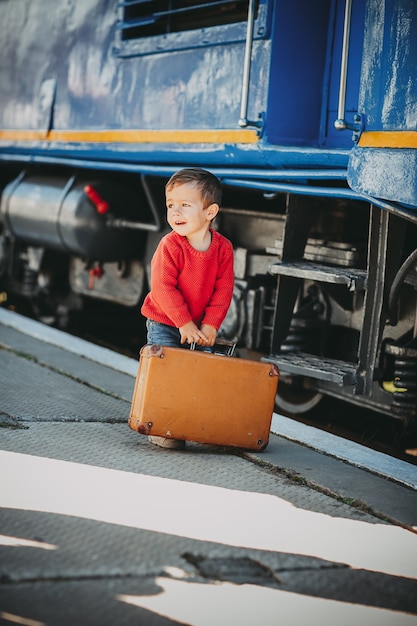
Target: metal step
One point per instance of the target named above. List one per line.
(339, 372)
(354, 279)
(328, 252)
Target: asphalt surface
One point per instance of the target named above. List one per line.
(97, 526)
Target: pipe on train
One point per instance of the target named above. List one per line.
(61, 214)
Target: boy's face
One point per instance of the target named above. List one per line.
(186, 213)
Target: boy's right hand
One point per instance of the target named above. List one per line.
(190, 333)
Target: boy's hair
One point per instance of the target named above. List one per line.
(209, 186)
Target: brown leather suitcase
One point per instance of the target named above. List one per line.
(203, 397)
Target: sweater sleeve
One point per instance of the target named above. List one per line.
(165, 292)
(221, 298)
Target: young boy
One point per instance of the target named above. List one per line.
(192, 270)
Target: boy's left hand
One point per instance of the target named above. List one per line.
(210, 332)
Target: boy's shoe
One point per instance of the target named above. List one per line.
(164, 442)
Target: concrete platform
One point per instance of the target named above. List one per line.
(99, 527)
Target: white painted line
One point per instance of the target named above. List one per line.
(206, 513)
(58, 338)
(345, 450)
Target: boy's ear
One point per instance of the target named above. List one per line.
(212, 211)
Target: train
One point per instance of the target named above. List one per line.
(306, 110)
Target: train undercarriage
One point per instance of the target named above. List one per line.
(325, 285)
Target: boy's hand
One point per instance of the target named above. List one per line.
(190, 333)
(210, 333)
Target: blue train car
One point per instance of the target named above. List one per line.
(306, 110)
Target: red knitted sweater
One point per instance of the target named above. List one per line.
(188, 284)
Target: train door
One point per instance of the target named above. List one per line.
(306, 72)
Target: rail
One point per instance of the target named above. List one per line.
(243, 119)
(341, 122)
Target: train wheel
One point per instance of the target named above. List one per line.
(294, 400)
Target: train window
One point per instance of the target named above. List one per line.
(149, 26)
(144, 19)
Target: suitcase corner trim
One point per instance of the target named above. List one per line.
(151, 349)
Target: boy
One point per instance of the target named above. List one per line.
(192, 270)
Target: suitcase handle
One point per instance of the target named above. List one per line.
(227, 347)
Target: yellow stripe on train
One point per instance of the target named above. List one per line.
(388, 139)
(230, 136)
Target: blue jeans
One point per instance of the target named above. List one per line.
(163, 334)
